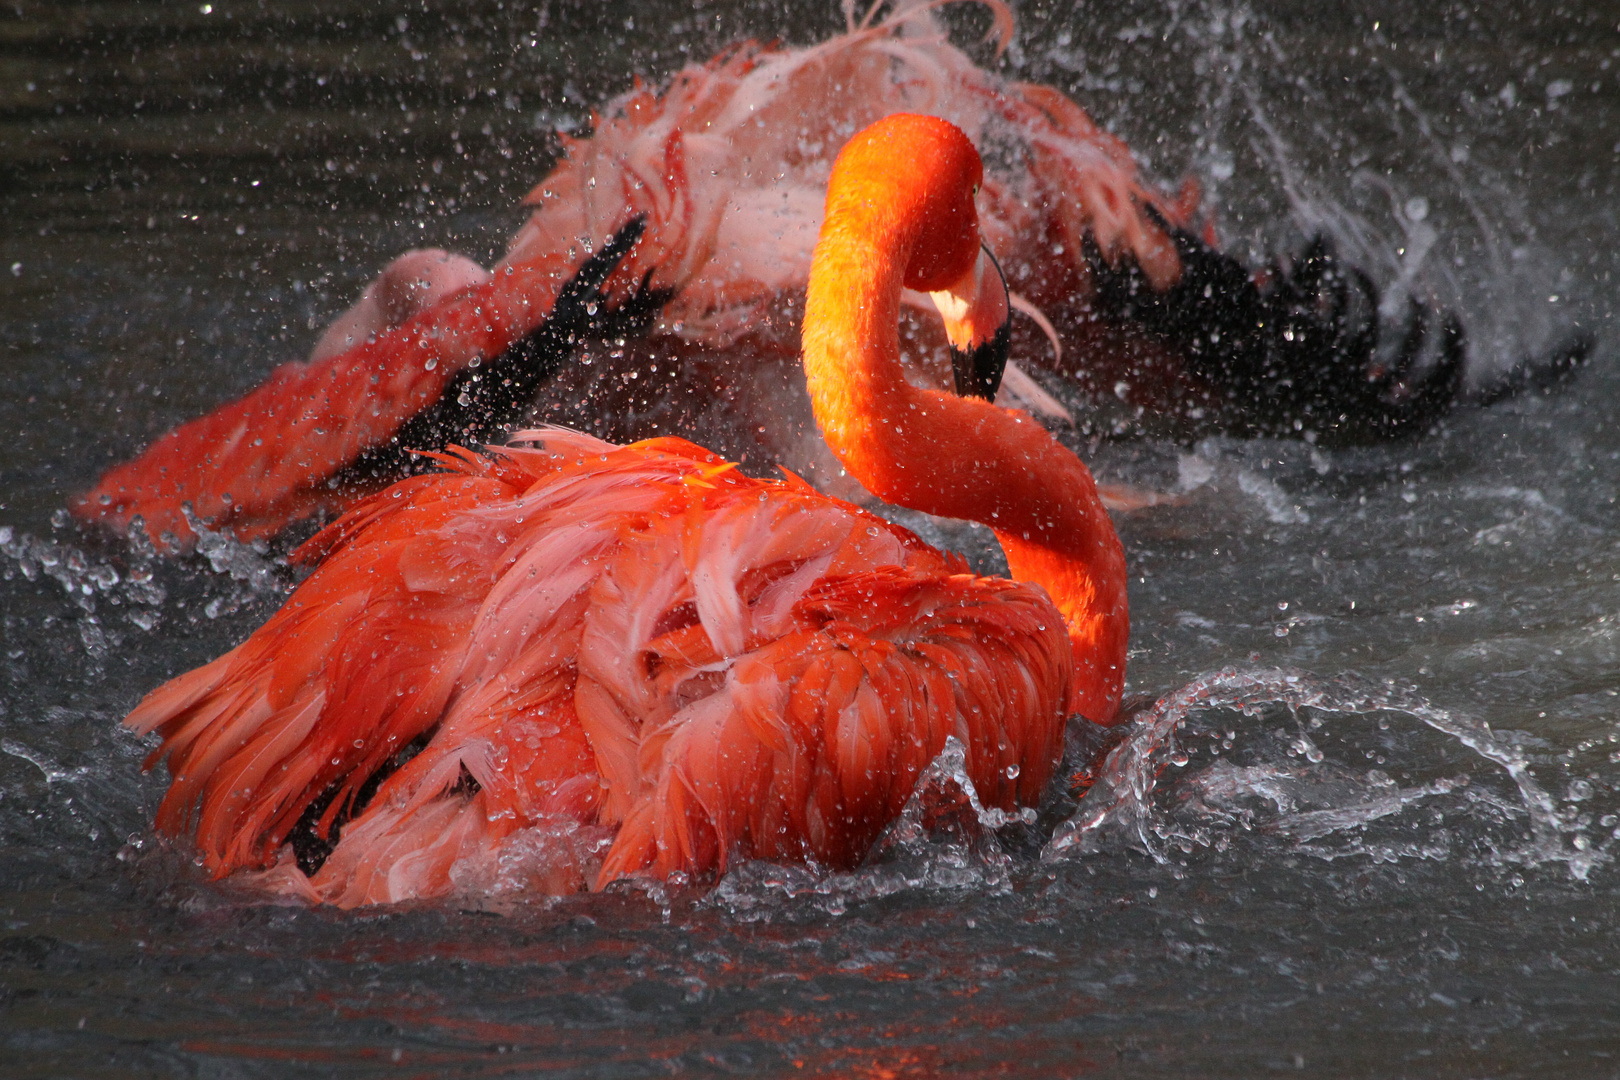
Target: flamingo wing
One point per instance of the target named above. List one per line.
(281, 451)
(814, 742)
(542, 649)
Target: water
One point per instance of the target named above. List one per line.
(1368, 830)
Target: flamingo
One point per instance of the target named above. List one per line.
(565, 647)
(726, 166)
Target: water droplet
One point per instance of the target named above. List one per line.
(432, 362)
(1013, 770)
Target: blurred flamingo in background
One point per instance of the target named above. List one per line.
(496, 670)
(724, 170)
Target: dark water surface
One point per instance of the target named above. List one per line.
(1398, 864)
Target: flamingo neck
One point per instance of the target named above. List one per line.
(957, 457)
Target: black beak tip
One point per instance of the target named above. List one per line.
(978, 372)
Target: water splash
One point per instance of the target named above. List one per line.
(53, 773)
(96, 798)
(249, 565)
(944, 840)
(552, 858)
(89, 582)
(1281, 784)
(1400, 180)
(126, 578)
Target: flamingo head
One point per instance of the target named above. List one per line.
(918, 176)
(905, 186)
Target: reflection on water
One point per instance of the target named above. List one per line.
(1398, 862)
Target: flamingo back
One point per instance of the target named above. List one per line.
(569, 662)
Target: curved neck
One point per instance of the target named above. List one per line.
(957, 457)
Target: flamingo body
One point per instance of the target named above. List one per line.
(636, 637)
(643, 641)
(727, 165)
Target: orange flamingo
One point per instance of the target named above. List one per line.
(758, 125)
(559, 645)
(727, 167)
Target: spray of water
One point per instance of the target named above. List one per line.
(1134, 805)
(943, 841)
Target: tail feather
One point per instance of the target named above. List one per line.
(176, 696)
(230, 818)
(312, 706)
(394, 854)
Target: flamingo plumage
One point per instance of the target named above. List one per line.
(727, 166)
(646, 648)
(274, 455)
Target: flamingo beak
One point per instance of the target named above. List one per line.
(976, 313)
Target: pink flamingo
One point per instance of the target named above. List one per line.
(725, 168)
(642, 645)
